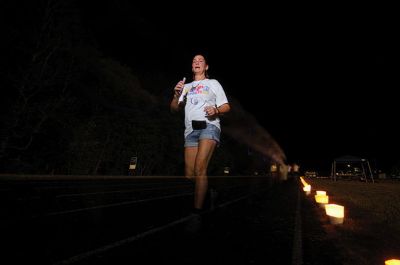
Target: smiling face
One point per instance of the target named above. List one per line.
(199, 65)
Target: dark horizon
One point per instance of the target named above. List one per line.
(321, 85)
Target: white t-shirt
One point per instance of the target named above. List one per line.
(199, 94)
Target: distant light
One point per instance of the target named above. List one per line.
(322, 199)
(133, 163)
(392, 262)
(303, 181)
(334, 210)
(307, 189)
(335, 213)
(226, 170)
(321, 192)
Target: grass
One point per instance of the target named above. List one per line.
(370, 233)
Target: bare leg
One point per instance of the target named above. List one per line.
(190, 158)
(204, 154)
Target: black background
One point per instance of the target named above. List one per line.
(321, 79)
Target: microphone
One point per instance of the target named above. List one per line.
(185, 95)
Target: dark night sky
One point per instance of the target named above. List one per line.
(320, 79)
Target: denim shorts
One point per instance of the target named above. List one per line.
(210, 132)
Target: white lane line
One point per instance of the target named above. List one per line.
(233, 201)
(117, 191)
(121, 242)
(114, 205)
(128, 240)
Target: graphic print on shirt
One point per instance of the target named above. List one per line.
(196, 94)
(200, 89)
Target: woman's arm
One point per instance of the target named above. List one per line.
(175, 105)
(217, 111)
(224, 108)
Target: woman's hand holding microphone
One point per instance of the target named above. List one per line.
(179, 87)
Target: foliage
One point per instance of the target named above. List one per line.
(70, 110)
